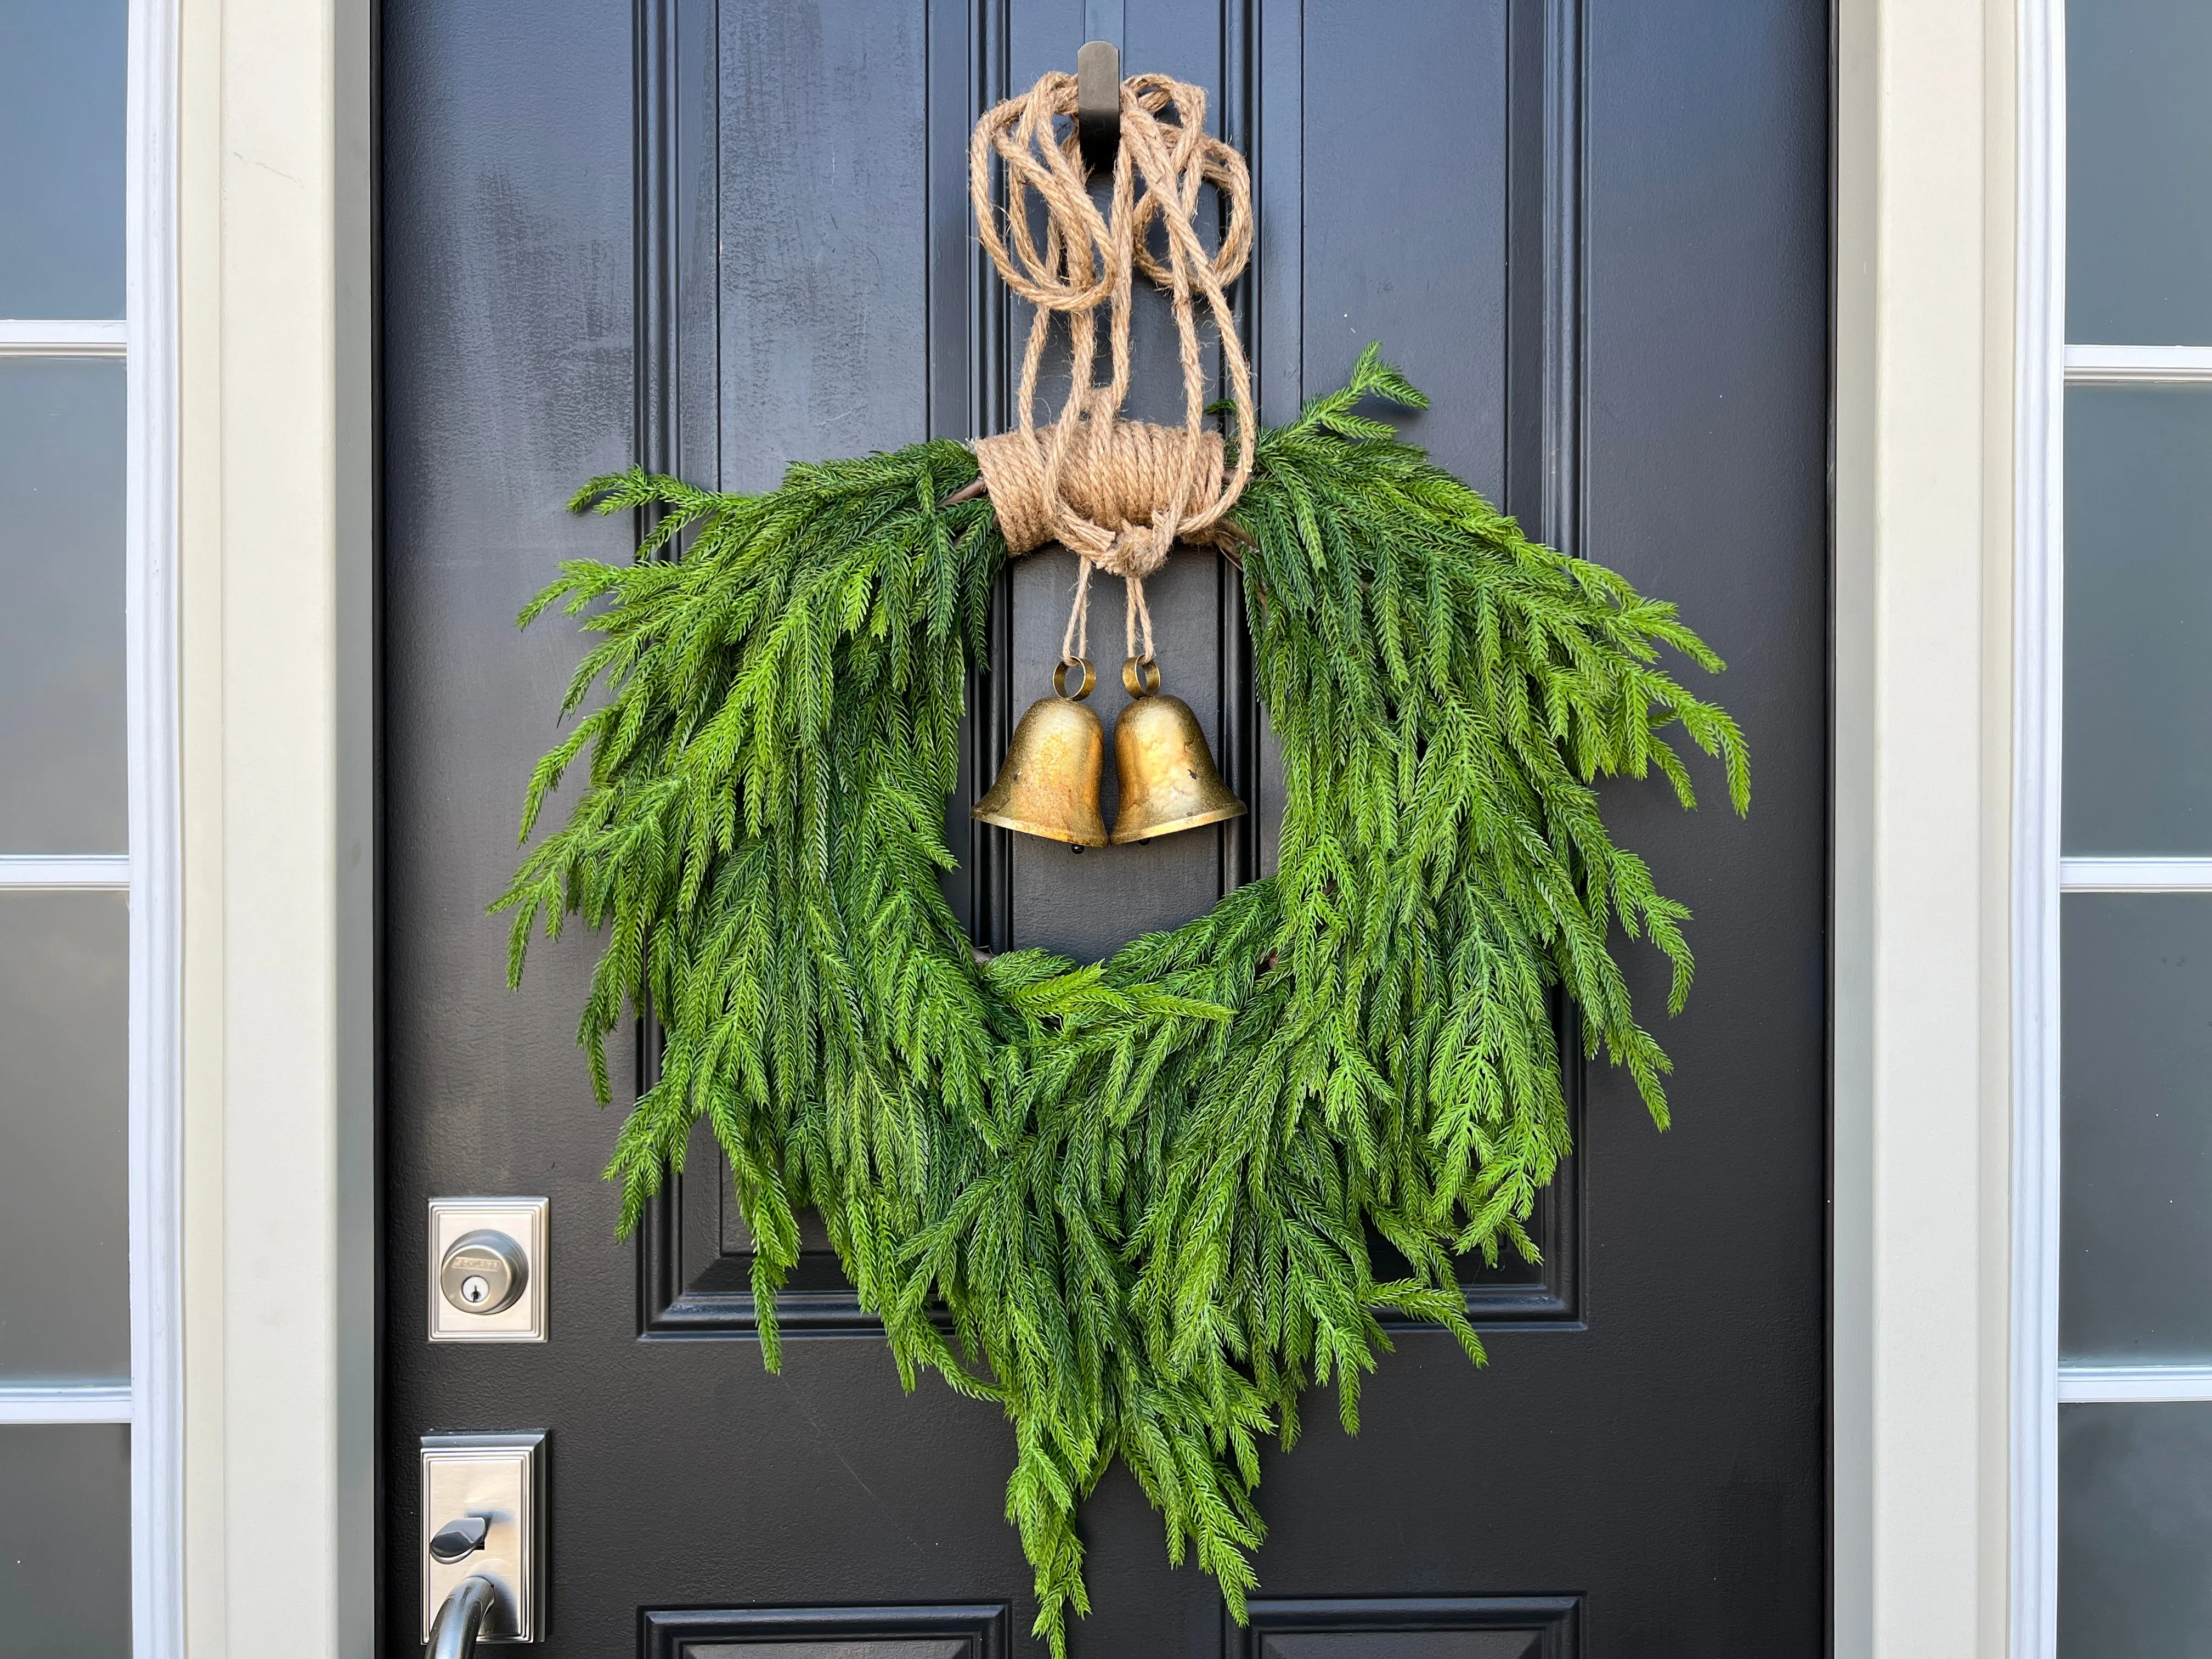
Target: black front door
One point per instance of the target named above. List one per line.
(719, 235)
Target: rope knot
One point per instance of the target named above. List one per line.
(1138, 550)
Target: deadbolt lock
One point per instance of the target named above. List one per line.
(487, 1269)
(483, 1272)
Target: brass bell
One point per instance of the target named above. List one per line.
(1168, 777)
(1048, 785)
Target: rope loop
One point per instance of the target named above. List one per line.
(1118, 493)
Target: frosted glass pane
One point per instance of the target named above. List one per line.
(65, 1541)
(2138, 721)
(2135, 1229)
(2139, 148)
(61, 157)
(64, 1283)
(61, 606)
(2134, 1531)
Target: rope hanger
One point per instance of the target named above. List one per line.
(1117, 493)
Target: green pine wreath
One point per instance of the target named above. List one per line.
(1143, 1189)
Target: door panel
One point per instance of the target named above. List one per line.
(718, 235)
(820, 297)
(1413, 1627)
(935, 1632)
(1433, 284)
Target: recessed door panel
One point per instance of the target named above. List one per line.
(1414, 1627)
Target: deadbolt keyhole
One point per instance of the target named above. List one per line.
(483, 1272)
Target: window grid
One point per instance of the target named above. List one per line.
(148, 1403)
(143, 340)
(2083, 1381)
(90, 1402)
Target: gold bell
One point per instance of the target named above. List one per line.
(1048, 786)
(1168, 777)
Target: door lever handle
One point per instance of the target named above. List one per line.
(457, 1540)
(461, 1617)
(480, 1554)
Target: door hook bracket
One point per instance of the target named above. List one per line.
(1098, 104)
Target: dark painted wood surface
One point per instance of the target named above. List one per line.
(721, 234)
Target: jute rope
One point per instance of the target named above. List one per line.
(1118, 493)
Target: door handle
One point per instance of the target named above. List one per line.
(458, 1539)
(482, 1548)
(461, 1617)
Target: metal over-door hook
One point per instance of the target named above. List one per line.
(1098, 104)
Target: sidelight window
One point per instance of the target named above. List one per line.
(2116, 917)
(88, 1451)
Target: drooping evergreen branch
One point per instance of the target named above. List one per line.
(1144, 1189)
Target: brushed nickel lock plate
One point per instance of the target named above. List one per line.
(488, 1260)
(497, 1480)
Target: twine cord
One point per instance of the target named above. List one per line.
(1117, 493)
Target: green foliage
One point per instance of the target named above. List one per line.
(1144, 1189)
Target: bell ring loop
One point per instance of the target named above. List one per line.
(1141, 676)
(1090, 679)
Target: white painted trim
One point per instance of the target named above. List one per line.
(89, 1402)
(2110, 365)
(277, 564)
(1852, 1252)
(1926, 319)
(47, 338)
(21, 870)
(2040, 374)
(2132, 1384)
(155, 868)
(2136, 875)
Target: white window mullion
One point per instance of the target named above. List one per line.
(2111, 365)
(2086, 1384)
(2041, 371)
(20, 871)
(94, 1402)
(155, 871)
(42, 337)
(2133, 875)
